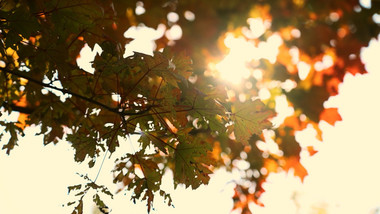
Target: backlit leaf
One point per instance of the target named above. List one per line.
(191, 163)
(249, 118)
(330, 115)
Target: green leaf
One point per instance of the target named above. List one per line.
(287, 141)
(249, 118)
(98, 201)
(75, 187)
(148, 138)
(190, 163)
(83, 146)
(79, 208)
(166, 197)
(150, 170)
(54, 135)
(13, 130)
(159, 65)
(151, 181)
(210, 111)
(310, 101)
(22, 21)
(70, 203)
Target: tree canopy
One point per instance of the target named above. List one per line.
(188, 119)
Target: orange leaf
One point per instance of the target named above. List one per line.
(294, 163)
(319, 131)
(330, 115)
(170, 125)
(332, 86)
(285, 58)
(295, 122)
(216, 151)
(21, 102)
(22, 118)
(311, 150)
(271, 165)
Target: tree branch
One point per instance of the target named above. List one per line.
(65, 91)
(20, 109)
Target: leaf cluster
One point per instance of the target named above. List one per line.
(191, 120)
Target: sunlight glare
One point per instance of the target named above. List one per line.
(86, 56)
(172, 17)
(269, 49)
(327, 61)
(296, 33)
(264, 94)
(174, 33)
(115, 97)
(295, 54)
(376, 18)
(233, 68)
(365, 3)
(257, 74)
(288, 85)
(282, 109)
(139, 8)
(258, 26)
(190, 16)
(143, 39)
(303, 70)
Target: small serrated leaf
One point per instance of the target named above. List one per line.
(75, 187)
(70, 203)
(79, 208)
(98, 201)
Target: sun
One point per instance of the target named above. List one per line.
(246, 48)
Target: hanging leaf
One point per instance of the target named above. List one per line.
(83, 146)
(191, 163)
(249, 118)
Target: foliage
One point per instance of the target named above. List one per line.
(174, 102)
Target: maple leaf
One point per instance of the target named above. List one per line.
(177, 116)
(294, 163)
(330, 115)
(181, 64)
(310, 101)
(249, 118)
(311, 150)
(148, 138)
(75, 187)
(110, 136)
(99, 202)
(152, 174)
(209, 111)
(23, 117)
(158, 65)
(14, 131)
(79, 208)
(191, 163)
(55, 134)
(144, 187)
(83, 145)
(287, 141)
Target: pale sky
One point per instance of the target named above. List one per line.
(344, 174)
